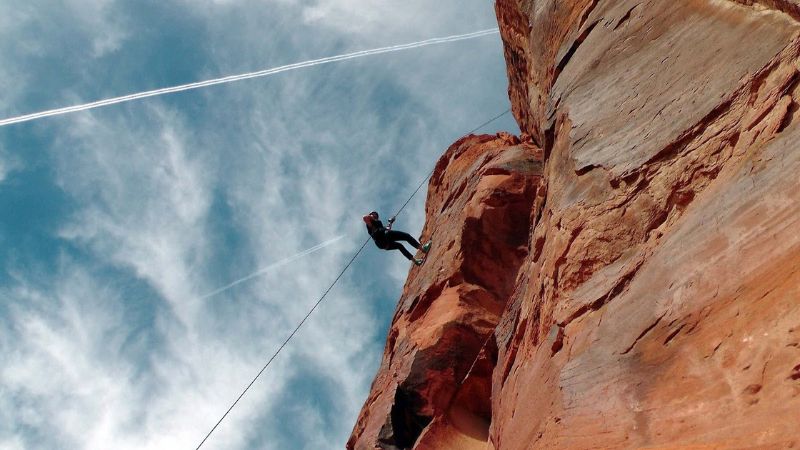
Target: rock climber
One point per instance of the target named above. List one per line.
(387, 239)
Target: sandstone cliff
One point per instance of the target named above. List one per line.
(626, 274)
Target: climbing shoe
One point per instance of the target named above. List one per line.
(419, 261)
(425, 248)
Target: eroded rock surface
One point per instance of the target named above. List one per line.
(646, 293)
(479, 205)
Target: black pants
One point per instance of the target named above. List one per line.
(389, 242)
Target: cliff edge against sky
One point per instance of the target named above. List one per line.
(626, 273)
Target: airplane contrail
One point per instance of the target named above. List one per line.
(244, 76)
(272, 266)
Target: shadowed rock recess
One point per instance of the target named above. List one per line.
(626, 273)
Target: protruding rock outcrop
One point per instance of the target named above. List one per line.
(479, 205)
(652, 299)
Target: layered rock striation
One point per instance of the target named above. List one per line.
(626, 274)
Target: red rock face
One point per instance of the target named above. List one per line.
(644, 290)
(479, 205)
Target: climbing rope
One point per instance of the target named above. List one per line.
(325, 294)
(434, 166)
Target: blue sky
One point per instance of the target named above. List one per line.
(117, 221)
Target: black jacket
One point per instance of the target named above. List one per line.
(378, 232)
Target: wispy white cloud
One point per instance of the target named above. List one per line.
(12, 80)
(8, 163)
(3, 167)
(145, 197)
(72, 358)
(99, 20)
(387, 18)
(61, 359)
(271, 267)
